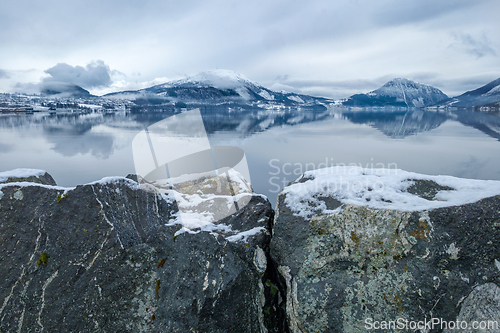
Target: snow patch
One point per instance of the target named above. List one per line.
(379, 188)
(243, 92)
(219, 78)
(20, 173)
(243, 236)
(264, 94)
(295, 99)
(494, 90)
(115, 180)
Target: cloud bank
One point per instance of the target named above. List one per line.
(476, 46)
(94, 75)
(4, 74)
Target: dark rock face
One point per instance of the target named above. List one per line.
(346, 270)
(100, 258)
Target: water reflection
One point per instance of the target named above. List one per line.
(398, 124)
(97, 145)
(395, 123)
(488, 123)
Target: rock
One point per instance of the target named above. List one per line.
(358, 248)
(27, 175)
(481, 306)
(110, 257)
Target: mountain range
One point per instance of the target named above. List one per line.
(218, 87)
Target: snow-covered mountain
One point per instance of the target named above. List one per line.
(399, 92)
(487, 94)
(220, 86)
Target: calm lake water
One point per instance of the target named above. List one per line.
(279, 145)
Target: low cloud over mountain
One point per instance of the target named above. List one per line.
(94, 75)
(69, 80)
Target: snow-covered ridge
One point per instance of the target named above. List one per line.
(218, 78)
(224, 86)
(380, 188)
(494, 90)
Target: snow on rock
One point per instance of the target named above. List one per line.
(20, 173)
(243, 236)
(353, 243)
(114, 180)
(27, 176)
(110, 237)
(382, 188)
(206, 200)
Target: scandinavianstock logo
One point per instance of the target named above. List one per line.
(174, 156)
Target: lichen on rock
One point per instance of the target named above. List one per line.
(369, 259)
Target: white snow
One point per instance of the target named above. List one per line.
(410, 92)
(26, 184)
(219, 78)
(201, 212)
(380, 188)
(243, 236)
(197, 212)
(90, 106)
(20, 173)
(113, 180)
(243, 92)
(264, 94)
(494, 90)
(295, 99)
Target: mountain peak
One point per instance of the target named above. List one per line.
(399, 92)
(217, 78)
(402, 82)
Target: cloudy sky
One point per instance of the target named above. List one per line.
(324, 48)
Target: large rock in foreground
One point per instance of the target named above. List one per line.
(377, 250)
(110, 257)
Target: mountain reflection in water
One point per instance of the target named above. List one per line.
(79, 148)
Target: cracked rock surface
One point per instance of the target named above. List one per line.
(100, 258)
(348, 266)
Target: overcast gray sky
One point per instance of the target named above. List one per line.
(323, 48)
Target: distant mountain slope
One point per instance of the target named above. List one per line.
(399, 92)
(220, 86)
(64, 90)
(487, 94)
